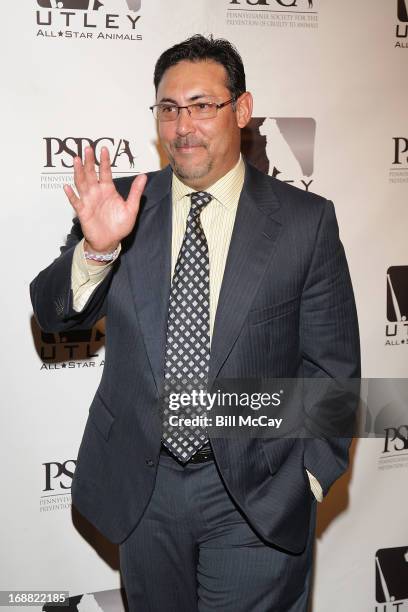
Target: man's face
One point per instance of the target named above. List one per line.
(201, 151)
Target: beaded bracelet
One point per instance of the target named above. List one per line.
(102, 257)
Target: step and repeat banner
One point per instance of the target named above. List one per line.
(330, 86)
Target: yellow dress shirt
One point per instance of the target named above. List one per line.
(217, 220)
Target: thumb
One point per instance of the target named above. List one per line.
(135, 193)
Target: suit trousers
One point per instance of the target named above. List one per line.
(193, 550)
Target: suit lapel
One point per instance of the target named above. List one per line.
(149, 268)
(253, 241)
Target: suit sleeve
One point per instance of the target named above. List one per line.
(51, 292)
(330, 347)
(86, 277)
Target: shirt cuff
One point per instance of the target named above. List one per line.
(85, 277)
(315, 487)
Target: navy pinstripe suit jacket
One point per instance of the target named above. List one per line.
(286, 310)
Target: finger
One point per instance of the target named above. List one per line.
(73, 198)
(89, 166)
(135, 192)
(79, 176)
(105, 172)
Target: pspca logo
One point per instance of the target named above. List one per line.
(89, 19)
(59, 153)
(386, 418)
(401, 28)
(282, 147)
(394, 451)
(391, 579)
(399, 166)
(396, 439)
(396, 330)
(58, 476)
(292, 4)
(57, 480)
(287, 14)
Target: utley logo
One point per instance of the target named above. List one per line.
(401, 29)
(396, 330)
(78, 349)
(99, 601)
(87, 5)
(282, 147)
(68, 347)
(402, 10)
(397, 294)
(89, 19)
(391, 578)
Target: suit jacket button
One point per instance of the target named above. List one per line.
(150, 462)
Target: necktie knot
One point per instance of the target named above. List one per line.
(199, 200)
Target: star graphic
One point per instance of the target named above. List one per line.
(64, 365)
(60, 33)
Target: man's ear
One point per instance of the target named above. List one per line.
(244, 106)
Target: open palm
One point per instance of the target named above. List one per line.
(105, 217)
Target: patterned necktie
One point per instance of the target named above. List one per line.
(188, 336)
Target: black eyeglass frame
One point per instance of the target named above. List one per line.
(212, 104)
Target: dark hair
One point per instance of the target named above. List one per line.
(199, 48)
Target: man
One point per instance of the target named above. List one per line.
(212, 270)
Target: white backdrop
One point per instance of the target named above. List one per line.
(330, 90)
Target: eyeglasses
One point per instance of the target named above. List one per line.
(199, 110)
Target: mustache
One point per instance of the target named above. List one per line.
(188, 141)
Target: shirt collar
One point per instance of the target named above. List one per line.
(226, 190)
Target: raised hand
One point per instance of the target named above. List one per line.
(105, 217)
